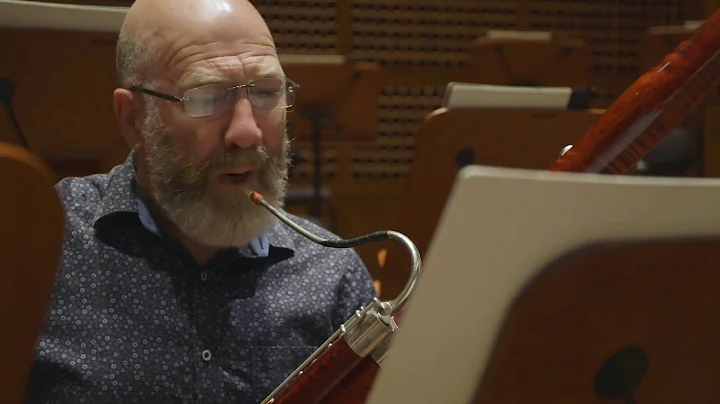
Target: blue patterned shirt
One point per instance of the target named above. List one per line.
(134, 318)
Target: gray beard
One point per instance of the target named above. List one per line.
(182, 188)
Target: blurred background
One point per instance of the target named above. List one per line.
(377, 107)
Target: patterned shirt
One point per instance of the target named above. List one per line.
(135, 319)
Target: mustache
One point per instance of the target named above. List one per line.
(229, 159)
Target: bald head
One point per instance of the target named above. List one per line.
(157, 35)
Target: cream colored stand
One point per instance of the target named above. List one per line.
(535, 280)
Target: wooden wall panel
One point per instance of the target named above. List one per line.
(424, 33)
(700, 9)
(433, 36)
(613, 29)
(302, 26)
(422, 45)
(63, 91)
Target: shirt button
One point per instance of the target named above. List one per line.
(203, 276)
(206, 355)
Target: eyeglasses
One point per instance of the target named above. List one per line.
(213, 99)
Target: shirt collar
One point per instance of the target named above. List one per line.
(122, 196)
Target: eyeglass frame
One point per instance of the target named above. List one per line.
(289, 84)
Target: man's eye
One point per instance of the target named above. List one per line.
(268, 93)
(212, 97)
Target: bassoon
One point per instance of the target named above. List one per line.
(344, 368)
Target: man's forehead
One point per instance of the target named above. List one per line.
(211, 73)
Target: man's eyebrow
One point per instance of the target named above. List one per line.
(272, 71)
(196, 79)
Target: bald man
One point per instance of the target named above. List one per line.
(173, 286)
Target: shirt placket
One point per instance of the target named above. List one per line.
(211, 312)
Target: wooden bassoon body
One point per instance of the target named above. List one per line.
(652, 107)
(344, 368)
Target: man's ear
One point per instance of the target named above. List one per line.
(128, 114)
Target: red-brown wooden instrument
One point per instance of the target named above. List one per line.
(344, 368)
(654, 105)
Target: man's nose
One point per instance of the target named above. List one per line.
(243, 130)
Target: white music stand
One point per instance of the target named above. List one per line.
(471, 95)
(500, 227)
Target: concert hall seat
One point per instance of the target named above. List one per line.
(500, 57)
(31, 237)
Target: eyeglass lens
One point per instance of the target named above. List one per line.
(215, 98)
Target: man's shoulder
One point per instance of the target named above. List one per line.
(82, 196)
(87, 189)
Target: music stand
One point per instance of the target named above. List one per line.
(535, 284)
(501, 57)
(337, 100)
